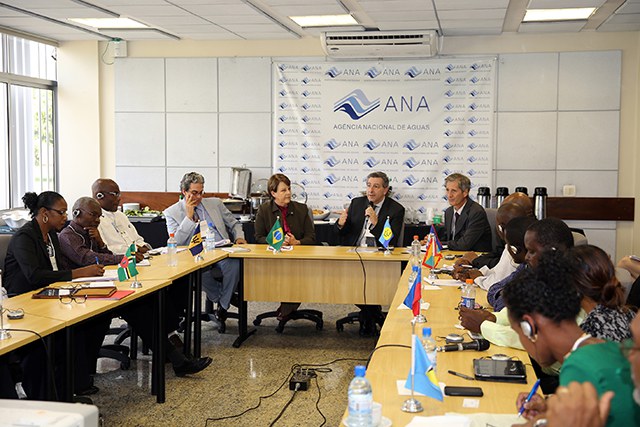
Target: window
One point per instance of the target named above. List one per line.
(28, 147)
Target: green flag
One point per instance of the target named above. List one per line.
(275, 238)
(127, 267)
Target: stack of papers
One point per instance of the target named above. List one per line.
(109, 275)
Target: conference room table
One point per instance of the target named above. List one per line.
(46, 316)
(320, 274)
(390, 363)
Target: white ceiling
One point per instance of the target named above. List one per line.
(268, 19)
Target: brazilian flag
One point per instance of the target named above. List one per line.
(275, 238)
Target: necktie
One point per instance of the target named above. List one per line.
(196, 217)
(453, 229)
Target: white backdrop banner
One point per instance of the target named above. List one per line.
(417, 121)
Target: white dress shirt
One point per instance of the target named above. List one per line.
(118, 233)
(501, 270)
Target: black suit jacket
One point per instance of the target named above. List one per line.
(298, 219)
(473, 232)
(27, 266)
(355, 221)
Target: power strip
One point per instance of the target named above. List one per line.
(301, 379)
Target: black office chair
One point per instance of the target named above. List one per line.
(305, 313)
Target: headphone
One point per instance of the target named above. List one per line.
(528, 330)
(99, 196)
(76, 212)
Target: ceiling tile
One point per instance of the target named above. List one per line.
(558, 4)
(551, 27)
(374, 6)
(471, 4)
(473, 14)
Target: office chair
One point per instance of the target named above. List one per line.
(305, 313)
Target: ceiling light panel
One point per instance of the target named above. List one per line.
(573, 14)
(551, 27)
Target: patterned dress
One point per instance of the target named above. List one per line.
(608, 324)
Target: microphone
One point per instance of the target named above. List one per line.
(372, 205)
(478, 345)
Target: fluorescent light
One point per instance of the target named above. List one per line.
(569, 14)
(105, 23)
(324, 20)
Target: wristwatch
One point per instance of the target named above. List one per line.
(542, 422)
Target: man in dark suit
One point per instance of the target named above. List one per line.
(366, 216)
(466, 227)
(370, 212)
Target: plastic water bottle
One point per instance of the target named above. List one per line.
(360, 400)
(172, 251)
(414, 260)
(210, 240)
(469, 294)
(429, 345)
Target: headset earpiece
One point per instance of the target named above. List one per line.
(99, 196)
(76, 212)
(527, 329)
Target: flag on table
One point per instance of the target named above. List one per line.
(432, 256)
(425, 380)
(275, 238)
(127, 267)
(387, 234)
(415, 294)
(195, 245)
(433, 232)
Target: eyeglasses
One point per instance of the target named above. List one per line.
(67, 295)
(627, 346)
(92, 214)
(197, 193)
(61, 212)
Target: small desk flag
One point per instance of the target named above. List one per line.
(387, 234)
(127, 267)
(425, 380)
(195, 245)
(275, 238)
(432, 256)
(415, 294)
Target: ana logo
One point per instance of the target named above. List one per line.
(307, 106)
(371, 162)
(305, 169)
(356, 105)
(283, 92)
(452, 67)
(282, 169)
(305, 156)
(331, 161)
(306, 80)
(331, 179)
(282, 67)
(310, 67)
(332, 144)
(449, 94)
(283, 79)
(449, 159)
(474, 146)
(398, 197)
(282, 156)
(422, 197)
(476, 66)
(373, 72)
(451, 146)
(473, 93)
(410, 180)
(283, 106)
(473, 119)
(406, 103)
(449, 107)
(475, 106)
(448, 119)
(282, 131)
(282, 118)
(410, 163)
(474, 79)
(304, 181)
(447, 172)
(422, 210)
(473, 159)
(413, 72)
(333, 72)
(351, 196)
(282, 144)
(471, 172)
(371, 144)
(472, 132)
(449, 80)
(305, 119)
(411, 145)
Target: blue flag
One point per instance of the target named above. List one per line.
(195, 245)
(438, 243)
(425, 380)
(387, 234)
(415, 294)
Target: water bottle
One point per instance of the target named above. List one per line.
(540, 202)
(469, 294)
(210, 240)
(429, 345)
(360, 400)
(172, 251)
(414, 260)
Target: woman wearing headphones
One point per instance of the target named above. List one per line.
(543, 304)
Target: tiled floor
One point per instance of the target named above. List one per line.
(237, 377)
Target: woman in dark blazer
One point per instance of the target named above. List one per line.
(294, 218)
(33, 260)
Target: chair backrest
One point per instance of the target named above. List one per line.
(4, 245)
(400, 241)
(491, 217)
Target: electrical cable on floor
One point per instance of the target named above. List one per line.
(286, 405)
(364, 273)
(324, 419)
(52, 379)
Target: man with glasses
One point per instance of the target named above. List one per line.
(115, 228)
(193, 209)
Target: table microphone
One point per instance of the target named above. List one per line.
(478, 345)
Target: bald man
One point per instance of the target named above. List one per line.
(115, 228)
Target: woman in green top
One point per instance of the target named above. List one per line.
(543, 304)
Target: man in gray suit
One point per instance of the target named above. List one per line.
(182, 218)
(466, 227)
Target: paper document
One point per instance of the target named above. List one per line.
(109, 275)
(163, 250)
(364, 250)
(234, 249)
(442, 282)
(143, 263)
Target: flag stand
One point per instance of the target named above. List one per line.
(4, 334)
(135, 284)
(198, 258)
(412, 405)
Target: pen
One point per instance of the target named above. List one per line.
(458, 374)
(97, 260)
(531, 393)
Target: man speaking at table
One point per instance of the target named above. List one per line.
(182, 218)
(466, 227)
(367, 215)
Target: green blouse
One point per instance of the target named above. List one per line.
(604, 366)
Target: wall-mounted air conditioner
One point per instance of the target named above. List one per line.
(380, 44)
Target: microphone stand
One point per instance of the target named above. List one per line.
(412, 405)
